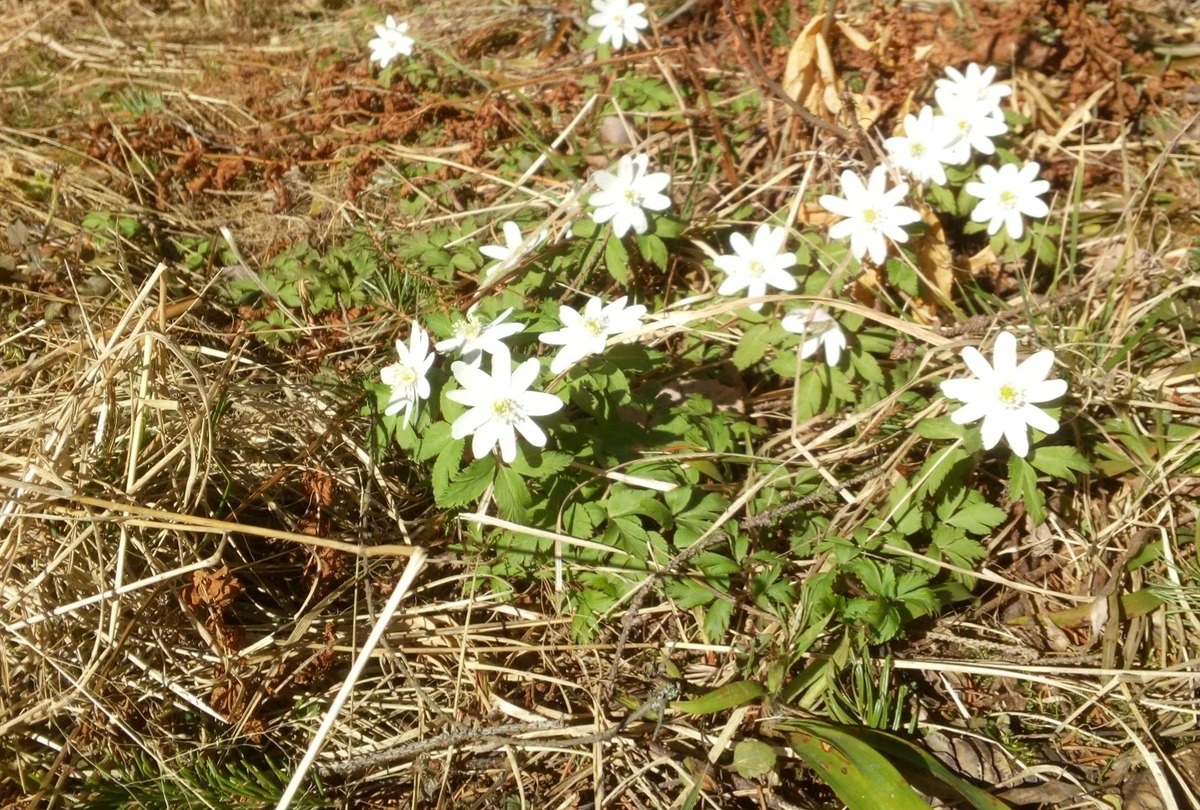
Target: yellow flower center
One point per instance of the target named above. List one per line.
(1008, 199)
(1011, 395)
(506, 410)
(631, 196)
(595, 326)
(756, 268)
(470, 329)
(870, 215)
(406, 376)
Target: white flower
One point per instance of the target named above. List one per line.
(976, 126)
(976, 87)
(515, 245)
(407, 378)
(872, 214)
(1006, 194)
(754, 267)
(586, 333)
(618, 21)
(817, 328)
(623, 195)
(391, 40)
(472, 338)
(500, 405)
(925, 147)
(1005, 395)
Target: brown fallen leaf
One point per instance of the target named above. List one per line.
(812, 80)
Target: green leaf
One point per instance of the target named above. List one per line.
(467, 485)
(653, 250)
(978, 517)
(433, 441)
(687, 593)
(580, 519)
(752, 347)
(937, 468)
(867, 367)
(753, 758)
(903, 276)
(625, 500)
(512, 495)
(616, 259)
(859, 775)
(539, 466)
(447, 465)
(926, 772)
(716, 620)
(1023, 486)
(729, 696)
(941, 429)
(952, 544)
(1059, 461)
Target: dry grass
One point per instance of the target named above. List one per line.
(204, 556)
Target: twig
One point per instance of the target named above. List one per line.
(489, 738)
(639, 598)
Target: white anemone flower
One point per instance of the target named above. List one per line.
(976, 126)
(473, 338)
(623, 196)
(754, 267)
(1006, 395)
(515, 245)
(817, 329)
(925, 148)
(1007, 194)
(586, 333)
(408, 378)
(500, 405)
(619, 21)
(872, 214)
(976, 86)
(391, 40)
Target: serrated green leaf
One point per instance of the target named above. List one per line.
(625, 500)
(616, 259)
(978, 517)
(468, 484)
(1023, 486)
(716, 620)
(539, 466)
(729, 696)
(447, 465)
(1059, 461)
(903, 277)
(867, 367)
(687, 593)
(753, 758)
(653, 250)
(752, 347)
(952, 544)
(512, 494)
(433, 441)
(941, 429)
(582, 519)
(937, 468)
